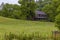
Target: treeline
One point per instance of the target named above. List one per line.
(26, 10)
(11, 11)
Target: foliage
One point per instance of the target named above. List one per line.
(51, 9)
(27, 9)
(42, 3)
(58, 9)
(24, 11)
(11, 11)
(57, 21)
(23, 36)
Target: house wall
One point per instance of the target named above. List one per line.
(40, 16)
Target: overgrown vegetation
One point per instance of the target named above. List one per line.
(28, 27)
(11, 11)
(27, 11)
(24, 11)
(52, 9)
(23, 36)
(57, 21)
(28, 8)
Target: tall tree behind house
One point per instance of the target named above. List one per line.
(28, 8)
(42, 3)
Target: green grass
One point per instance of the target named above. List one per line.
(18, 26)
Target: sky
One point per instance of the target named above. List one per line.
(9, 1)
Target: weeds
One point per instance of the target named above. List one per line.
(23, 36)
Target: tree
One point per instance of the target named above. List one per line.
(51, 9)
(42, 3)
(58, 9)
(11, 11)
(57, 18)
(57, 21)
(28, 8)
(7, 10)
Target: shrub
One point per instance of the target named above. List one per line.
(57, 21)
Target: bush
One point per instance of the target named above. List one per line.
(57, 21)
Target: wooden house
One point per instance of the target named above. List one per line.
(40, 15)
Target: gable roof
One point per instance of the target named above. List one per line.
(40, 12)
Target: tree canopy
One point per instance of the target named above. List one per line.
(52, 9)
(28, 8)
(10, 10)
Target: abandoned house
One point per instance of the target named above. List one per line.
(40, 15)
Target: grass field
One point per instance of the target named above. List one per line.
(18, 26)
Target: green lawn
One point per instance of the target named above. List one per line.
(18, 26)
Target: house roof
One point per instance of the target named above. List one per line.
(40, 12)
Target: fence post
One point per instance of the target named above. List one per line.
(56, 35)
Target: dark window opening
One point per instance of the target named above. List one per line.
(39, 15)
